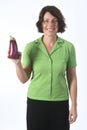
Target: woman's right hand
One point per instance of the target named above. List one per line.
(18, 60)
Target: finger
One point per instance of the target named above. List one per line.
(72, 118)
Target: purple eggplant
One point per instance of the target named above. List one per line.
(13, 49)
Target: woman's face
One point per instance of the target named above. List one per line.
(49, 24)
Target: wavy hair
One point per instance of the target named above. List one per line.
(56, 13)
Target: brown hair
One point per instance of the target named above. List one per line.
(56, 13)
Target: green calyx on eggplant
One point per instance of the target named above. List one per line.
(13, 49)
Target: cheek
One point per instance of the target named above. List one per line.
(43, 27)
(57, 28)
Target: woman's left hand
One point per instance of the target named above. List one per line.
(72, 115)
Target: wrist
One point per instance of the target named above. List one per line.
(18, 64)
(74, 105)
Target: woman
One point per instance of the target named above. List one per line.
(50, 61)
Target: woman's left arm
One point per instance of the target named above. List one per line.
(72, 82)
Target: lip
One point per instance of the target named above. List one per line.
(50, 29)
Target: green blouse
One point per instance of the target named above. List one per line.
(48, 81)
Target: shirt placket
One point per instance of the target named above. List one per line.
(50, 76)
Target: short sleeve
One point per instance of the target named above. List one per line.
(26, 58)
(72, 57)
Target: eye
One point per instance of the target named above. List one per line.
(54, 21)
(46, 21)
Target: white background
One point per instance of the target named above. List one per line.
(18, 18)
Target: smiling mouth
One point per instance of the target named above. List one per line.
(50, 29)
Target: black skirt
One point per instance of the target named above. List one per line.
(47, 115)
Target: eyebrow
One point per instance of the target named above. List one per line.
(52, 19)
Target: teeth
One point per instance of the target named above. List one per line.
(50, 29)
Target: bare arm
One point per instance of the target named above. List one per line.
(23, 72)
(72, 81)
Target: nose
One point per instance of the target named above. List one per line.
(52, 23)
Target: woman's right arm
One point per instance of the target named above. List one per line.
(23, 72)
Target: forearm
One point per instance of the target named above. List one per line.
(72, 82)
(73, 92)
(22, 76)
(73, 96)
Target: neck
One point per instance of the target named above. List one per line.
(49, 40)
